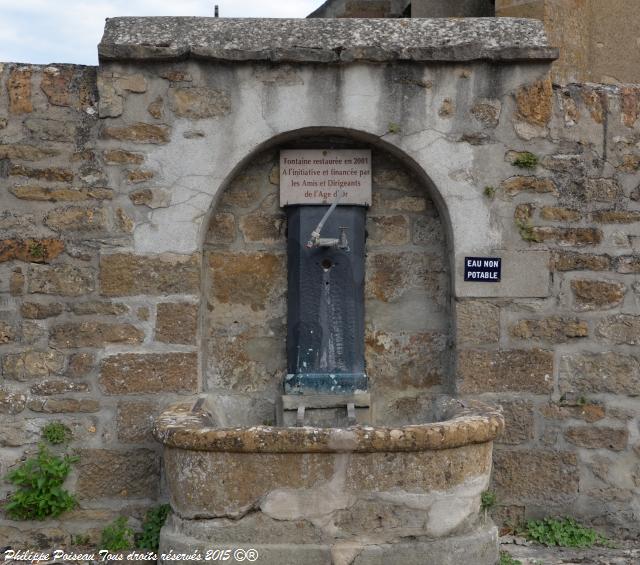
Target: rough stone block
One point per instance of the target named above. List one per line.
(74, 335)
(222, 228)
(621, 329)
(11, 402)
(248, 279)
(537, 185)
(198, 103)
(63, 280)
(122, 157)
(19, 89)
(56, 85)
(23, 152)
(51, 130)
(51, 174)
(571, 261)
(535, 102)
(608, 372)
(388, 230)
(55, 194)
(554, 329)
(134, 421)
(477, 322)
(76, 219)
(616, 216)
(63, 405)
(106, 473)
(519, 422)
(628, 264)
(50, 387)
(32, 364)
(177, 323)
(130, 275)
(535, 476)
(139, 133)
(597, 295)
(30, 250)
(500, 371)
(591, 437)
(558, 214)
(134, 373)
(574, 237)
(263, 227)
(99, 308)
(80, 364)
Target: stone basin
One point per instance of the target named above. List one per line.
(357, 495)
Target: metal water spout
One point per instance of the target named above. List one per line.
(340, 242)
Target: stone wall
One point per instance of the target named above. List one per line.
(113, 182)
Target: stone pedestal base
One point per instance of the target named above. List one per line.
(478, 547)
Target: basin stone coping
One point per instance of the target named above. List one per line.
(185, 426)
(325, 40)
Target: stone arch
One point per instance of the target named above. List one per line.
(244, 284)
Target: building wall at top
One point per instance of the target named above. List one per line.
(599, 41)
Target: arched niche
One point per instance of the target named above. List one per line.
(408, 288)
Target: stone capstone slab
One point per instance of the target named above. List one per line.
(325, 40)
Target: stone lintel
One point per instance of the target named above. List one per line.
(325, 40)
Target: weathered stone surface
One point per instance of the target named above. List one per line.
(597, 295)
(326, 39)
(99, 308)
(122, 157)
(621, 329)
(57, 386)
(570, 261)
(103, 473)
(51, 130)
(557, 214)
(133, 83)
(616, 216)
(629, 105)
(592, 437)
(403, 360)
(135, 421)
(134, 373)
(156, 108)
(93, 334)
(628, 264)
(19, 89)
(41, 311)
(222, 228)
(249, 279)
(263, 227)
(602, 190)
(477, 322)
(11, 402)
(52, 194)
(138, 175)
(32, 365)
(76, 219)
(151, 197)
(587, 412)
(519, 422)
(177, 323)
(30, 250)
(64, 280)
(538, 185)
(139, 133)
(80, 364)
(535, 476)
(487, 112)
(609, 372)
(388, 230)
(25, 152)
(51, 174)
(501, 371)
(55, 84)
(198, 103)
(575, 237)
(554, 329)
(129, 275)
(535, 102)
(16, 282)
(63, 405)
(7, 332)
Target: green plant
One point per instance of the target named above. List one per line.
(394, 128)
(526, 160)
(36, 250)
(117, 536)
(489, 192)
(80, 540)
(506, 559)
(526, 231)
(563, 532)
(56, 433)
(40, 494)
(153, 521)
(487, 500)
